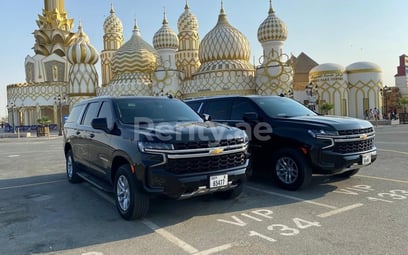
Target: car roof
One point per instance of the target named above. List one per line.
(113, 98)
(225, 96)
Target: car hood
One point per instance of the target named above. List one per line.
(187, 131)
(334, 122)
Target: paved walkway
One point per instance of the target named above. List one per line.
(30, 134)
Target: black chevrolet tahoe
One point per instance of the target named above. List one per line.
(142, 147)
(289, 142)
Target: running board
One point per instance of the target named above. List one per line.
(96, 182)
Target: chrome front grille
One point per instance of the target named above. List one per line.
(204, 164)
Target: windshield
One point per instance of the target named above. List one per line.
(278, 107)
(145, 110)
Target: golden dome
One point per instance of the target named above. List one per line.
(187, 21)
(82, 51)
(272, 28)
(112, 23)
(224, 42)
(165, 38)
(136, 55)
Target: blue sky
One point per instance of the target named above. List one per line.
(329, 31)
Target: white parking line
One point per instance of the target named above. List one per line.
(170, 237)
(381, 178)
(167, 235)
(291, 197)
(339, 210)
(400, 152)
(30, 184)
(215, 249)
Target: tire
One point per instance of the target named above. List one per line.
(231, 193)
(130, 202)
(290, 170)
(347, 174)
(71, 168)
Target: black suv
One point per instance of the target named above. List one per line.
(292, 140)
(139, 147)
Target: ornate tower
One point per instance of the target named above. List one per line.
(83, 77)
(112, 41)
(166, 77)
(187, 55)
(275, 74)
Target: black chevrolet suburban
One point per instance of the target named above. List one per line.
(142, 147)
(289, 142)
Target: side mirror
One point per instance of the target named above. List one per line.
(205, 117)
(100, 123)
(250, 117)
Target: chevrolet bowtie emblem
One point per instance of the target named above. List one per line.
(216, 151)
(363, 136)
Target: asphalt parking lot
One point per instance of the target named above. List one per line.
(41, 213)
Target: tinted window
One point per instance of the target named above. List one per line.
(282, 107)
(218, 109)
(106, 112)
(194, 105)
(74, 114)
(154, 110)
(91, 113)
(240, 107)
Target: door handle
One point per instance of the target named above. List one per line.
(91, 135)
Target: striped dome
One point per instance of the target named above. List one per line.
(272, 28)
(82, 51)
(112, 23)
(187, 21)
(136, 55)
(224, 42)
(165, 38)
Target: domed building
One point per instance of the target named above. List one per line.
(48, 73)
(178, 64)
(365, 85)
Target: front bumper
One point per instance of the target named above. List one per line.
(179, 186)
(329, 162)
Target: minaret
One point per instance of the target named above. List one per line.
(275, 74)
(112, 40)
(187, 54)
(83, 77)
(165, 80)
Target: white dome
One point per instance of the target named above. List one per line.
(112, 24)
(187, 21)
(224, 42)
(328, 67)
(272, 28)
(165, 37)
(364, 65)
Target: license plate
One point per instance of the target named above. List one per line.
(218, 180)
(366, 158)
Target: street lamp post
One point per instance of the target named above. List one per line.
(12, 106)
(59, 100)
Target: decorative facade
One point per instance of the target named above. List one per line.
(177, 63)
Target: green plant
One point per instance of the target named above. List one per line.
(404, 102)
(326, 107)
(44, 121)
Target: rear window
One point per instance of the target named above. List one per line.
(75, 113)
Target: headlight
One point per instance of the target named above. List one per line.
(143, 146)
(315, 133)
